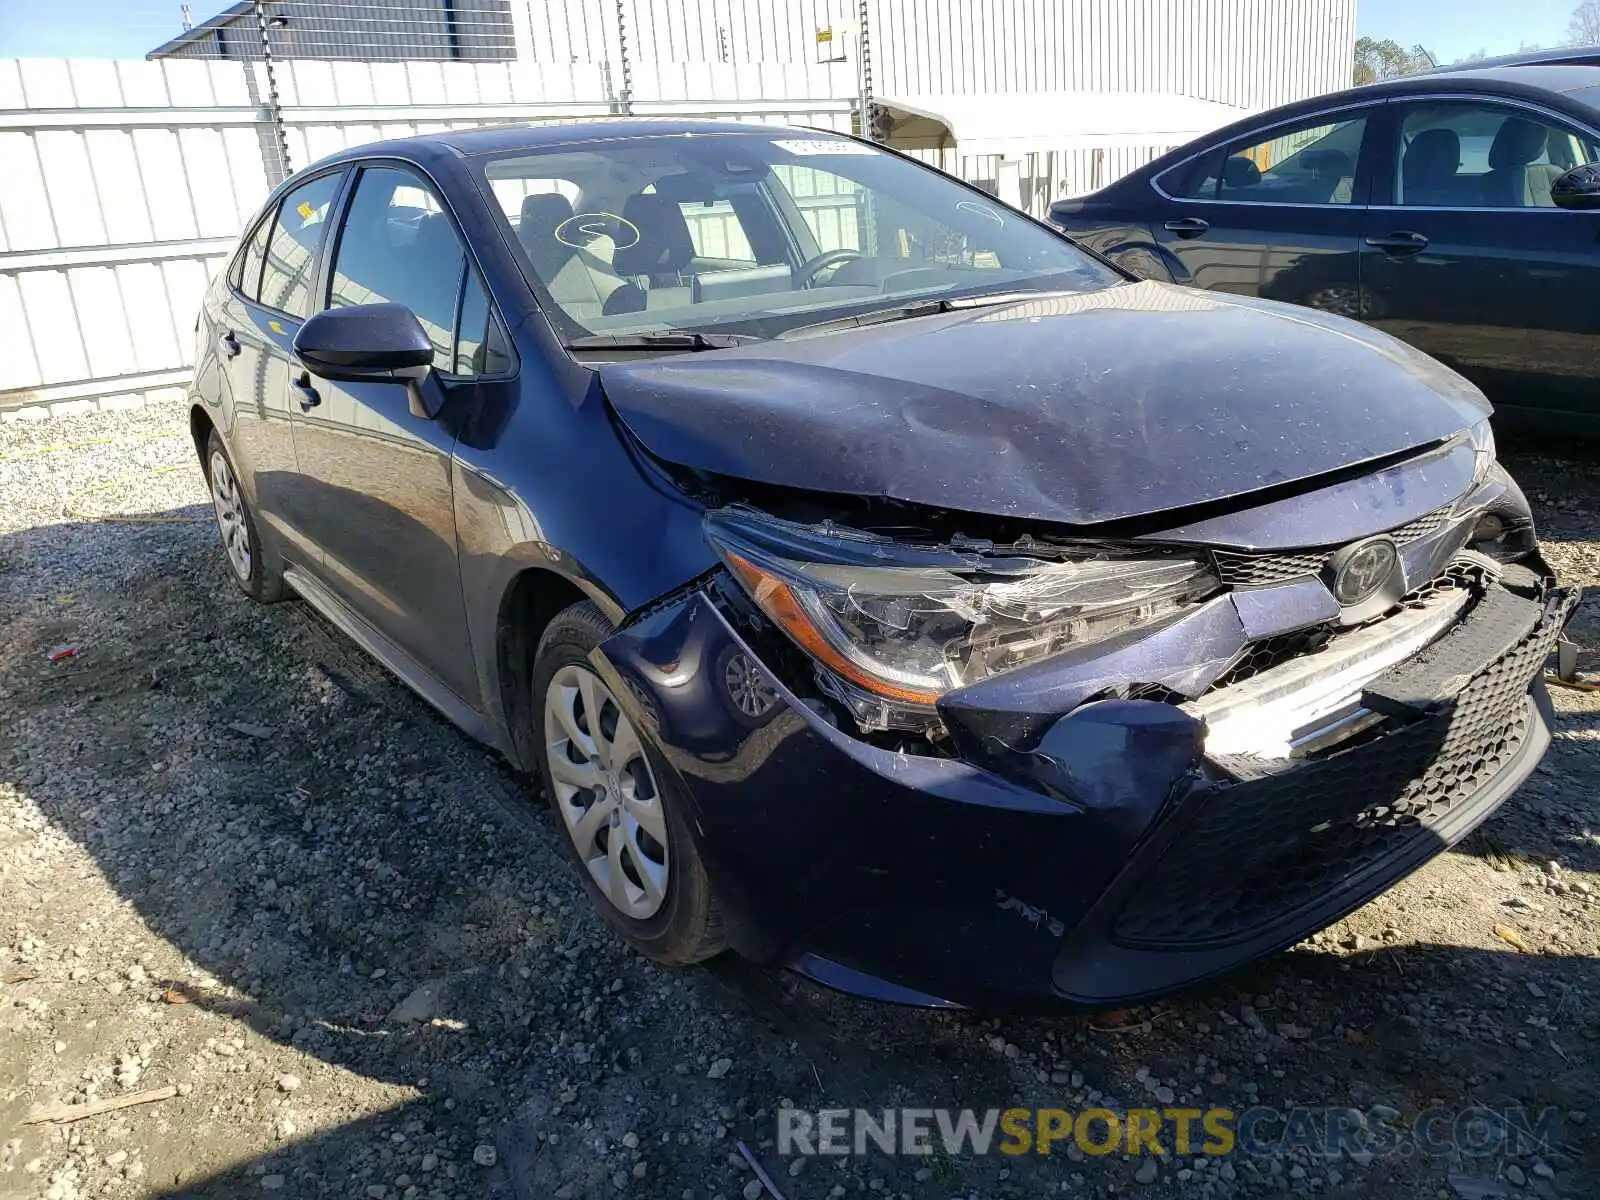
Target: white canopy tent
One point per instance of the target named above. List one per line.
(1049, 144)
(1017, 122)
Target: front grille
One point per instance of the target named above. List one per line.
(1241, 568)
(1257, 852)
(1269, 652)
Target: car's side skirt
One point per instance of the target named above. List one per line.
(383, 648)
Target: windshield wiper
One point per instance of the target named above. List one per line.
(917, 308)
(667, 339)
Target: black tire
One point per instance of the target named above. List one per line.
(687, 928)
(262, 578)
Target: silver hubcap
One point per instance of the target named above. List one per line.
(748, 690)
(606, 792)
(230, 515)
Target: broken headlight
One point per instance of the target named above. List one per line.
(901, 625)
(1481, 438)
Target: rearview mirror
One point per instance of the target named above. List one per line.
(372, 343)
(1578, 188)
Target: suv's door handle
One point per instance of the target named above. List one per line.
(1400, 242)
(1187, 227)
(308, 394)
(230, 344)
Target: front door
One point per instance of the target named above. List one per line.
(385, 519)
(1277, 214)
(1469, 259)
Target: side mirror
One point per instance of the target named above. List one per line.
(1063, 211)
(372, 343)
(1578, 188)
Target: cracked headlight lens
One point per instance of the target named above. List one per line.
(908, 624)
(1481, 437)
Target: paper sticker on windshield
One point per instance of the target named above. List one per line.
(804, 147)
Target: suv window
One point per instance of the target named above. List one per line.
(291, 250)
(397, 246)
(1473, 155)
(1307, 164)
(247, 270)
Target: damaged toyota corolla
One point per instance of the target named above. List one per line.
(882, 586)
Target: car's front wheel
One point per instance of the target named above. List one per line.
(251, 571)
(623, 821)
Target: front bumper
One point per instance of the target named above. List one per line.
(1134, 866)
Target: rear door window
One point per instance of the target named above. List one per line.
(291, 250)
(247, 271)
(1312, 163)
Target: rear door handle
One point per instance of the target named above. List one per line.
(1187, 226)
(230, 344)
(1400, 242)
(307, 394)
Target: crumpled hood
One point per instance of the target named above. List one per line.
(1075, 409)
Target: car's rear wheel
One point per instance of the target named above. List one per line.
(260, 579)
(623, 821)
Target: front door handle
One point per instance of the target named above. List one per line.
(307, 394)
(1187, 227)
(1401, 242)
(230, 344)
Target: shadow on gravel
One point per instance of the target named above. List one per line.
(353, 856)
(1386, 1050)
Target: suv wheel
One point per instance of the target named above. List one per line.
(624, 822)
(251, 571)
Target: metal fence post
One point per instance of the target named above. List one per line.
(279, 171)
(625, 95)
(864, 70)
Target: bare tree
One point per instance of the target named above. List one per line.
(1584, 28)
(1388, 59)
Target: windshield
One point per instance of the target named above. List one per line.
(759, 233)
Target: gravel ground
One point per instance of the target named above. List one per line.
(231, 846)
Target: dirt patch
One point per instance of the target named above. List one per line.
(238, 860)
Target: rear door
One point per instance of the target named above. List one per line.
(1465, 255)
(1275, 214)
(269, 295)
(384, 519)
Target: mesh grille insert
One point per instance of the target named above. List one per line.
(1260, 850)
(1239, 568)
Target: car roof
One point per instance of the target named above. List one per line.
(1569, 88)
(545, 135)
(1586, 55)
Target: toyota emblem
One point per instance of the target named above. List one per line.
(1364, 570)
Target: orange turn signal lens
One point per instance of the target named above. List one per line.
(779, 603)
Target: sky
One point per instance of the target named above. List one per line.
(92, 28)
(1451, 29)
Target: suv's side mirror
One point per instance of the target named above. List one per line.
(1577, 188)
(372, 343)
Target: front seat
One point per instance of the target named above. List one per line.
(577, 280)
(664, 248)
(1515, 180)
(1428, 173)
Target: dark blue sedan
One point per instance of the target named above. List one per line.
(1454, 210)
(877, 583)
